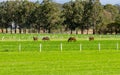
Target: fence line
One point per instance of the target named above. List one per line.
(117, 46)
(59, 47)
(40, 47)
(99, 46)
(19, 47)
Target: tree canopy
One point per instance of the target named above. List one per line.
(48, 17)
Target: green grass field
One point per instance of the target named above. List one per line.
(51, 61)
(54, 37)
(60, 63)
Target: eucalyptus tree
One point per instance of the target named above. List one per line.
(34, 19)
(112, 25)
(50, 15)
(73, 13)
(11, 14)
(9, 9)
(117, 24)
(112, 9)
(95, 15)
(86, 22)
(2, 16)
(106, 17)
(25, 8)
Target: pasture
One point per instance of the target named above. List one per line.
(20, 55)
(60, 63)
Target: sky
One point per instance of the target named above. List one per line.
(102, 1)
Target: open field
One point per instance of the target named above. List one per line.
(24, 42)
(20, 55)
(60, 63)
(54, 37)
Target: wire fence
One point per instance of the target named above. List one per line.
(58, 47)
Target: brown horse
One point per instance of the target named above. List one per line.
(70, 39)
(45, 38)
(91, 38)
(35, 38)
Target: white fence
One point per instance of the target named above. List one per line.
(58, 47)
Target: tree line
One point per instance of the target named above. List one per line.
(49, 17)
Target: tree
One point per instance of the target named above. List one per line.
(73, 12)
(2, 16)
(95, 15)
(112, 24)
(50, 15)
(106, 17)
(34, 18)
(113, 10)
(25, 8)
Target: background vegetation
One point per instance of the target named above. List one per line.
(23, 16)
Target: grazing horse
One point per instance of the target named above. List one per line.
(45, 38)
(71, 39)
(35, 38)
(91, 38)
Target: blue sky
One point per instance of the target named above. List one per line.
(102, 1)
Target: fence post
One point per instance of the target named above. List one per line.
(80, 47)
(99, 46)
(117, 46)
(19, 47)
(61, 47)
(2, 38)
(40, 47)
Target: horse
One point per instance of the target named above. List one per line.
(35, 38)
(91, 38)
(70, 39)
(45, 38)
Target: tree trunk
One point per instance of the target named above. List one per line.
(44, 30)
(15, 29)
(6, 30)
(49, 30)
(111, 30)
(20, 30)
(76, 31)
(11, 29)
(93, 31)
(29, 30)
(87, 31)
(24, 30)
(71, 31)
(2, 30)
(82, 31)
(39, 29)
(115, 31)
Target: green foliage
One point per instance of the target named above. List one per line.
(49, 16)
(73, 13)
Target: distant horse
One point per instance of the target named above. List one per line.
(70, 39)
(91, 38)
(45, 38)
(35, 38)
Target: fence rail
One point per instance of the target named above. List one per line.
(57, 47)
